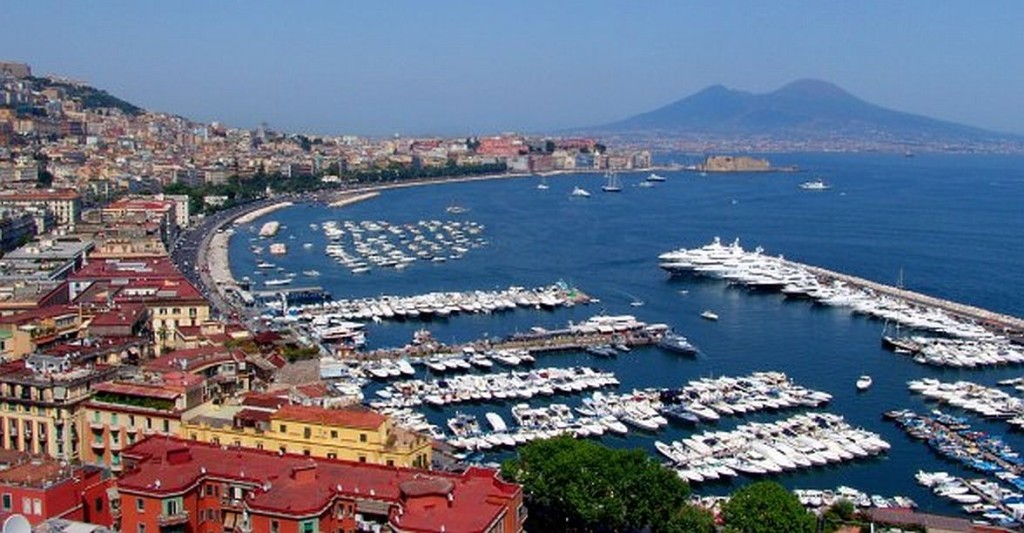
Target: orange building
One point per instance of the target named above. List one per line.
(174, 484)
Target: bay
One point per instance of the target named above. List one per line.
(950, 223)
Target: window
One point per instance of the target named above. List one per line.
(149, 423)
(391, 462)
(209, 490)
(332, 455)
(283, 428)
(362, 458)
(131, 420)
(172, 506)
(334, 433)
(305, 451)
(95, 416)
(37, 506)
(26, 505)
(142, 528)
(140, 504)
(113, 419)
(275, 526)
(7, 503)
(307, 433)
(362, 437)
(167, 426)
(99, 505)
(309, 526)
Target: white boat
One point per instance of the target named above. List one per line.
(709, 315)
(579, 191)
(613, 184)
(543, 185)
(815, 185)
(864, 382)
(655, 177)
(277, 282)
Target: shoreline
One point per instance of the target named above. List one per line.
(213, 253)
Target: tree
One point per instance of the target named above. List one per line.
(766, 507)
(577, 485)
(691, 519)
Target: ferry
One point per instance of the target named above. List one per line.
(864, 383)
(677, 343)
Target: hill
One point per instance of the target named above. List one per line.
(803, 109)
(90, 97)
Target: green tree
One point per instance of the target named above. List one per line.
(766, 507)
(691, 519)
(577, 485)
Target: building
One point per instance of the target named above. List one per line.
(41, 489)
(65, 204)
(352, 434)
(226, 370)
(196, 487)
(15, 70)
(164, 212)
(124, 411)
(40, 400)
(46, 260)
(27, 332)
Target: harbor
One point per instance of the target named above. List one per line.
(823, 346)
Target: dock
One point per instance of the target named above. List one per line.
(997, 322)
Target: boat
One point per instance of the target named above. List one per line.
(278, 248)
(613, 184)
(677, 343)
(815, 185)
(456, 209)
(543, 185)
(277, 282)
(265, 264)
(311, 273)
(864, 383)
(655, 177)
(709, 315)
(579, 191)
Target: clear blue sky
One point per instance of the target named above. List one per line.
(380, 67)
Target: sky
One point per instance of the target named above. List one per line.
(480, 67)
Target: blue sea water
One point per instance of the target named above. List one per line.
(951, 224)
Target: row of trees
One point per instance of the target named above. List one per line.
(578, 485)
(239, 190)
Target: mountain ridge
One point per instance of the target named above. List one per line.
(806, 107)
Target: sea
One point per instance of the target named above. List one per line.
(947, 225)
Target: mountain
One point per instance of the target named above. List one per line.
(804, 108)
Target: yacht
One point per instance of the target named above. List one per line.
(581, 192)
(815, 185)
(709, 315)
(677, 343)
(277, 282)
(613, 184)
(456, 209)
(655, 177)
(864, 382)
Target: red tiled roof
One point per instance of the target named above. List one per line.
(352, 417)
(136, 269)
(168, 465)
(130, 389)
(52, 194)
(264, 400)
(122, 315)
(195, 358)
(33, 315)
(138, 204)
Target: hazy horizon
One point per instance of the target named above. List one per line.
(463, 69)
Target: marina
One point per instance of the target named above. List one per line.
(537, 237)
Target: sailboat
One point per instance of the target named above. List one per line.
(898, 343)
(613, 184)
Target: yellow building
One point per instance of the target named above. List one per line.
(352, 434)
(124, 411)
(28, 331)
(40, 404)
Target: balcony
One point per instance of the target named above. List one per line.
(117, 467)
(96, 426)
(98, 445)
(175, 519)
(116, 446)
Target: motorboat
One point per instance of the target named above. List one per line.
(677, 343)
(709, 315)
(579, 191)
(655, 177)
(815, 185)
(864, 382)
